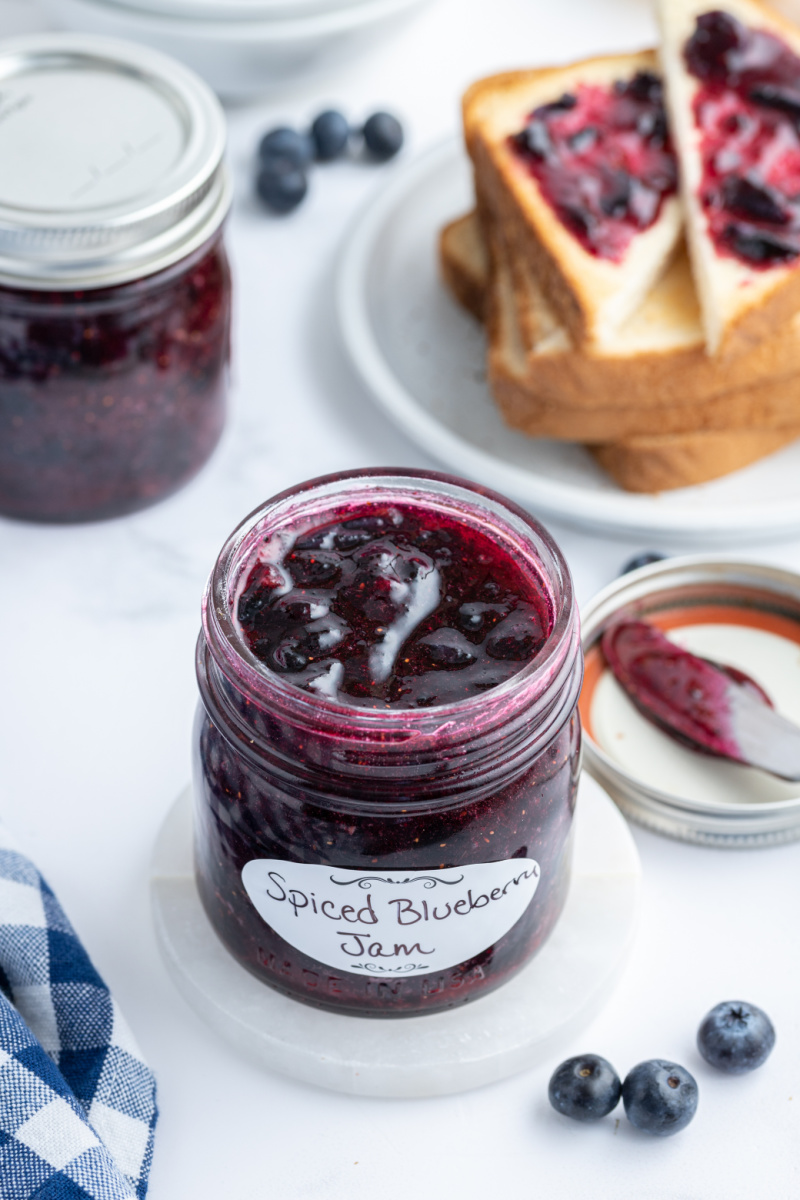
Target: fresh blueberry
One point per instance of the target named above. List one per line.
(383, 135)
(330, 132)
(659, 1097)
(642, 560)
(288, 145)
(281, 185)
(736, 1037)
(585, 1088)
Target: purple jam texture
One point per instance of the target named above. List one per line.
(603, 160)
(690, 698)
(112, 399)
(748, 112)
(468, 815)
(394, 607)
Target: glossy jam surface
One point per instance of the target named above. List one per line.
(748, 111)
(603, 160)
(392, 607)
(688, 697)
(111, 399)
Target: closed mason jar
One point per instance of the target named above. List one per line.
(115, 291)
(374, 860)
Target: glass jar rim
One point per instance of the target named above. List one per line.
(548, 670)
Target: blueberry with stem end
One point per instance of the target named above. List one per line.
(641, 560)
(281, 186)
(585, 1088)
(287, 145)
(330, 132)
(383, 136)
(660, 1097)
(736, 1037)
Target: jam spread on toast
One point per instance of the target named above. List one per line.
(747, 109)
(603, 160)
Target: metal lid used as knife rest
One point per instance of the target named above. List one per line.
(681, 592)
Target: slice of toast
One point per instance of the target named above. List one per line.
(464, 263)
(557, 377)
(514, 385)
(652, 462)
(742, 301)
(591, 295)
(659, 464)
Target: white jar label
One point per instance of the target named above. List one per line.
(391, 922)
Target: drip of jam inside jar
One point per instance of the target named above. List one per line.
(603, 160)
(747, 109)
(392, 607)
(688, 697)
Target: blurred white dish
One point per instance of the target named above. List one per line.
(243, 55)
(422, 360)
(231, 10)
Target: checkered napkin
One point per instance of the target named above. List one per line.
(77, 1103)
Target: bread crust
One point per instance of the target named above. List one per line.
(463, 262)
(772, 405)
(619, 394)
(684, 460)
(637, 458)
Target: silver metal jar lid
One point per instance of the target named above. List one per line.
(112, 162)
(676, 584)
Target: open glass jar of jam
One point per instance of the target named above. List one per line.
(115, 291)
(387, 744)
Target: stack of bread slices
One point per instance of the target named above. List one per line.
(674, 360)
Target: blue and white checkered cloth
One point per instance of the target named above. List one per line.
(77, 1103)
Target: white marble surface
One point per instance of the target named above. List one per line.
(96, 706)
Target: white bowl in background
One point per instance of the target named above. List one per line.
(243, 57)
(232, 10)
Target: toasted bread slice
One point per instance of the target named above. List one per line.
(659, 464)
(651, 462)
(515, 386)
(637, 461)
(464, 263)
(558, 377)
(591, 295)
(741, 303)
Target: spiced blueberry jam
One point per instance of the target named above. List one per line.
(393, 607)
(386, 749)
(603, 159)
(113, 398)
(747, 109)
(115, 292)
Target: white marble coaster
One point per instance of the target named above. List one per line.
(519, 1025)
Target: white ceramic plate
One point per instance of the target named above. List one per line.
(422, 359)
(250, 53)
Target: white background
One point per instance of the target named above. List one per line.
(98, 627)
